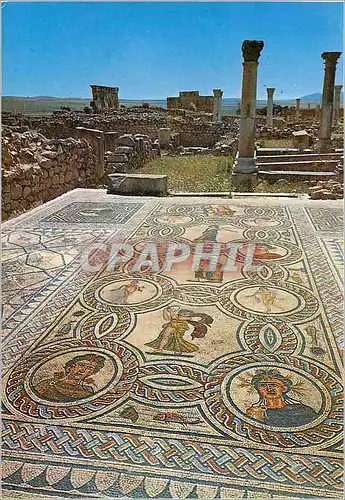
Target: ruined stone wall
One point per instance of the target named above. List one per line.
(129, 153)
(191, 100)
(194, 131)
(36, 169)
(104, 98)
(64, 124)
(199, 133)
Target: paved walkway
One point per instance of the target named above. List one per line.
(173, 378)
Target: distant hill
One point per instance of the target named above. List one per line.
(45, 105)
(317, 97)
(312, 97)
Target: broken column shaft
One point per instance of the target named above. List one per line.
(217, 105)
(336, 104)
(270, 92)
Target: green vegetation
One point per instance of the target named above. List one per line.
(207, 174)
(193, 173)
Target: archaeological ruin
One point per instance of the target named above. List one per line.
(192, 101)
(172, 269)
(45, 156)
(104, 98)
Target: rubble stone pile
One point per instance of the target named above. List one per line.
(227, 148)
(327, 190)
(36, 169)
(131, 152)
(192, 129)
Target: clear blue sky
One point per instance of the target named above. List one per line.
(152, 50)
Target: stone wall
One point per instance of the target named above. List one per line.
(64, 124)
(129, 153)
(191, 100)
(193, 130)
(200, 134)
(36, 169)
(104, 98)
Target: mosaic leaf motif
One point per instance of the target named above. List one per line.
(270, 338)
(106, 325)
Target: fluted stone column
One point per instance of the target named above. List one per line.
(270, 92)
(298, 106)
(325, 143)
(245, 164)
(336, 104)
(217, 105)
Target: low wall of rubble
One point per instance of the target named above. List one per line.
(130, 152)
(192, 130)
(196, 133)
(36, 169)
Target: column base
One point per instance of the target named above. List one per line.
(244, 165)
(244, 182)
(324, 145)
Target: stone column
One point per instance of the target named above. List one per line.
(325, 143)
(270, 92)
(336, 104)
(298, 105)
(217, 105)
(164, 137)
(245, 163)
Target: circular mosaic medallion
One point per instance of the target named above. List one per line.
(268, 300)
(72, 379)
(274, 400)
(174, 219)
(134, 292)
(247, 300)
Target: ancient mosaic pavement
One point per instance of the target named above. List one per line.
(175, 383)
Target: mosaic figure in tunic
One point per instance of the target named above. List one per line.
(121, 295)
(209, 235)
(73, 382)
(171, 338)
(267, 298)
(275, 407)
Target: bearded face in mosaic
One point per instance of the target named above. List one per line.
(74, 382)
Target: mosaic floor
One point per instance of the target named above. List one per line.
(177, 383)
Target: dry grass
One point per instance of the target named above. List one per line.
(276, 143)
(193, 173)
(282, 186)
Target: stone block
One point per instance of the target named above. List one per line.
(164, 137)
(124, 150)
(125, 140)
(138, 184)
(119, 158)
(26, 191)
(16, 191)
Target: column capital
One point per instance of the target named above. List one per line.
(251, 50)
(337, 88)
(217, 93)
(331, 58)
(270, 91)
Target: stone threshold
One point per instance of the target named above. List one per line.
(241, 195)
